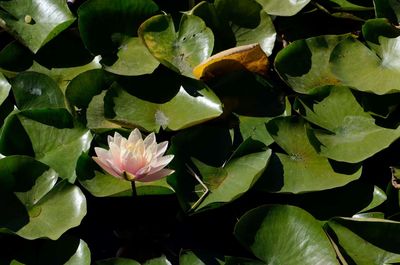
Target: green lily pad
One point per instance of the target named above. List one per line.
(84, 86)
(283, 7)
(35, 22)
(5, 88)
(353, 135)
(64, 251)
(283, 234)
(53, 145)
(15, 57)
(104, 185)
(227, 183)
(180, 51)
(63, 76)
(255, 128)
(366, 241)
(374, 28)
(95, 115)
(304, 64)
(133, 59)
(389, 9)
(193, 95)
(117, 42)
(370, 72)
(34, 90)
(59, 210)
(344, 5)
(302, 169)
(379, 197)
(237, 23)
(19, 174)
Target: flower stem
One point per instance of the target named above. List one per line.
(134, 193)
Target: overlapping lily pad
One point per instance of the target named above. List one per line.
(47, 135)
(352, 133)
(180, 51)
(283, 234)
(40, 207)
(302, 169)
(122, 52)
(370, 72)
(131, 110)
(304, 64)
(366, 241)
(5, 88)
(35, 22)
(225, 184)
(237, 23)
(34, 90)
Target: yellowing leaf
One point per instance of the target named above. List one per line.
(250, 57)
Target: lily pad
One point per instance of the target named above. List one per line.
(64, 251)
(130, 110)
(302, 169)
(126, 16)
(59, 210)
(304, 64)
(104, 185)
(5, 88)
(233, 179)
(34, 90)
(53, 145)
(63, 76)
(370, 72)
(352, 133)
(86, 85)
(283, 234)
(237, 23)
(366, 241)
(133, 59)
(35, 22)
(255, 128)
(283, 7)
(374, 28)
(180, 51)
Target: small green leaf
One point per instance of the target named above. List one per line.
(180, 51)
(35, 22)
(283, 234)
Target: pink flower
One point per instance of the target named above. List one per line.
(134, 159)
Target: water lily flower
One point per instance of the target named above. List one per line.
(134, 159)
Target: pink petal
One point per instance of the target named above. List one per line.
(134, 162)
(150, 140)
(102, 153)
(161, 148)
(156, 176)
(106, 168)
(134, 136)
